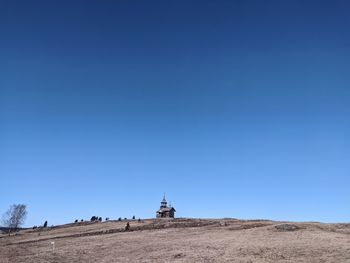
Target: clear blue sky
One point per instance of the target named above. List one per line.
(233, 108)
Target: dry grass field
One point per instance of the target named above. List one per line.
(181, 240)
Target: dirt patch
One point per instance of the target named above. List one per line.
(287, 227)
(179, 255)
(248, 225)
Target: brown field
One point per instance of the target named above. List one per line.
(181, 240)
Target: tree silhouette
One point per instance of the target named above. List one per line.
(15, 216)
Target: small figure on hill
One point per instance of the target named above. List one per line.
(127, 227)
(45, 224)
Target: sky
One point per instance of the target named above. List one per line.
(232, 108)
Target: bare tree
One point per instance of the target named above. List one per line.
(15, 216)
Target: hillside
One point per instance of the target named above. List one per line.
(181, 240)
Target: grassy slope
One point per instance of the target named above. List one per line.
(181, 240)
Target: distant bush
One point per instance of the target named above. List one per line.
(100, 219)
(93, 218)
(76, 221)
(107, 218)
(133, 217)
(119, 219)
(45, 224)
(82, 220)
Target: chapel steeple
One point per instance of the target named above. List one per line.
(163, 204)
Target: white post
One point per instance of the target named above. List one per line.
(53, 246)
